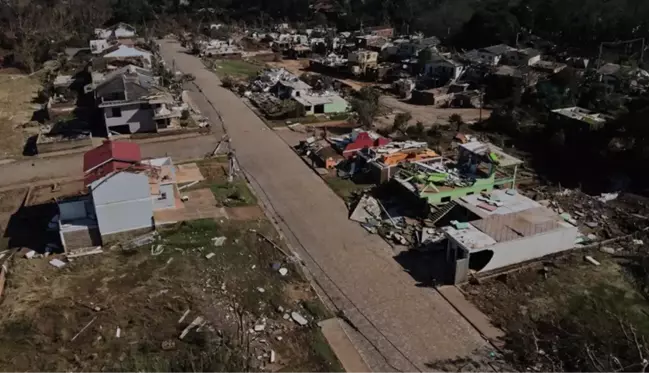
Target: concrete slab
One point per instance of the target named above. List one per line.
(342, 346)
(201, 205)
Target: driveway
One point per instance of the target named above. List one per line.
(404, 327)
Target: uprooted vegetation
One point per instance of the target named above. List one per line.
(144, 292)
(570, 315)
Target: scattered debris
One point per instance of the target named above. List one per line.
(58, 263)
(118, 332)
(638, 242)
(209, 256)
(184, 198)
(605, 197)
(299, 318)
(283, 271)
(591, 260)
(84, 328)
(607, 250)
(157, 250)
(218, 241)
(261, 290)
(270, 242)
(182, 318)
(143, 240)
(168, 345)
(272, 356)
(30, 254)
(197, 321)
(260, 327)
(84, 251)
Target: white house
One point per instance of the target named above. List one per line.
(444, 68)
(489, 55)
(124, 52)
(119, 31)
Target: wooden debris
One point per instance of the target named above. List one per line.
(84, 328)
(197, 321)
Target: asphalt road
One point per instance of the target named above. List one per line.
(406, 327)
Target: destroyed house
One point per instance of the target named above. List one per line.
(478, 167)
(497, 230)
(131, 102)
(383, 161)
(120, 53)
(357, 140)
(122, 193)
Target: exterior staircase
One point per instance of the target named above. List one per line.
(441, 211)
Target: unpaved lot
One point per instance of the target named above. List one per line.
(16, 95)
(430, 115)
(131, 305)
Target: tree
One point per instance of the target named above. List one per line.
(401, 121)
(366, 105)
(456, 120)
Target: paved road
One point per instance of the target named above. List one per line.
(407, 326)
(71, 165)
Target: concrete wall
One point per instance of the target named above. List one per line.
(169, 200)
(124, 216)
(456, 193)
(138, 120)
(122, 202)
(517, 251)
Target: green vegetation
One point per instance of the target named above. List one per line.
(236, 68)
(570, 317)
(344, 188)
(233, 194)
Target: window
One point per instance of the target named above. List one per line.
(446, 199)
(162, 196)
(116, 112)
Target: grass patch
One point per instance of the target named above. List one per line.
(577, 305)
(16, 95)
(236, 68)
(317, 310)
(233, 194)
(326, 355)
(344, 188)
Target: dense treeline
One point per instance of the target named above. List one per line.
(31, 26)
(469, 23)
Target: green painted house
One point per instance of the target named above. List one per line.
(479, 167)
(321, 104)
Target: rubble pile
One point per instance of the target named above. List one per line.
(603, 217)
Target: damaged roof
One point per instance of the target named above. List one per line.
(109, 157)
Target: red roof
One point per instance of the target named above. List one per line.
(109, 157)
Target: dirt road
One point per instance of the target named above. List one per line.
(407, 327)
(71, 165)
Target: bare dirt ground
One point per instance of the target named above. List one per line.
(430, 115)
(16, 95)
